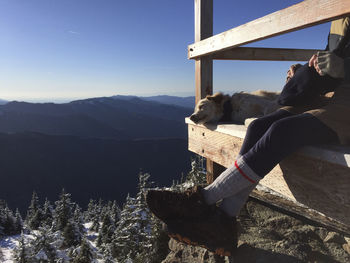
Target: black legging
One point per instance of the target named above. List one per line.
(273, 137)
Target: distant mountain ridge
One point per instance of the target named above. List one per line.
(105, 117)
(186, 102)
(2, 102)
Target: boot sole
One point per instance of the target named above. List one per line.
(221, 251)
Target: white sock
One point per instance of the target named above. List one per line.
(233, 204)
(233, 180)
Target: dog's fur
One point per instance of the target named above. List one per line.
(244, 106)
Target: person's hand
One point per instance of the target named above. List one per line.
(313, 63)
(327, 63)
(291, 71)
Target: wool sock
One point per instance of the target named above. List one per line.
(233, 204)
(233, 180)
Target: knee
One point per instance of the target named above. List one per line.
(256, 125)
(282, 128)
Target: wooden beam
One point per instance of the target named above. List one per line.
(213, 170)
(203, 28)
(305, 14)
(272, 54)
(203, 66)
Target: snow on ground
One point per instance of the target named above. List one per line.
(7, 245)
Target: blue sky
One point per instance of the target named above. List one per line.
(64, 49)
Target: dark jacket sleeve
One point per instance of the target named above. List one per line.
(339, 37)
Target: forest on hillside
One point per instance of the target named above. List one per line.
(103, 232)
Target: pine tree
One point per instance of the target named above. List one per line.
(107, 254)
(43, 250)
(133, 235)
(91, 211)
(106, 231)
(115, 212)
(125, 236)
(8, 222)
(78, 218)
(95, 223)
(63, 211)
(71, 234)
(85, 254)
(47, 213)
(197, 175)
(34, 213)
(18, 221)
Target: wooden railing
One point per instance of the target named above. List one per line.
(226, 45)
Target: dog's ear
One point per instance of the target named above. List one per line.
(217, 97)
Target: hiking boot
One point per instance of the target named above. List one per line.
(217, 233)
(169, 205)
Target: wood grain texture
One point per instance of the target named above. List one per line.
(315, 183)
(270, 54)
(305, 14)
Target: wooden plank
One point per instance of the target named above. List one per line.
(292, 208)
(319, 185)
(335, 154)
(271, 54)
(203, 66)
(305, 14)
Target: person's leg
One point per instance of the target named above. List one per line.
(258, 127)
(284, 137)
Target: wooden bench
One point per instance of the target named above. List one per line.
(314, 182)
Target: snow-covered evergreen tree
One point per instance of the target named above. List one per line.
(71, 234)
(115, 212)
(18, 221)
(63, 211)
(95, 226)
(85, 254)
(108, 255)
(47, 213)
(8, 221)
(106, 231)
(134, 234)
(43, 250)
(91, 211)
(78, 218)
(197, 175)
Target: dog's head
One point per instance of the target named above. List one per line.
(208, 109)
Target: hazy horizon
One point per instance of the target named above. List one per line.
(63, 50)
(69, 99)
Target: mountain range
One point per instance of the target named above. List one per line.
(94, 148)
(106, 117)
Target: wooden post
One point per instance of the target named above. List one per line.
(213, 170)
(203, 29)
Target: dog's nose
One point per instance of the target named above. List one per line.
(194, 118)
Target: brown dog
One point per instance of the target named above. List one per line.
(237, 108)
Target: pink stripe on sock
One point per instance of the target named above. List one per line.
(244, 175)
